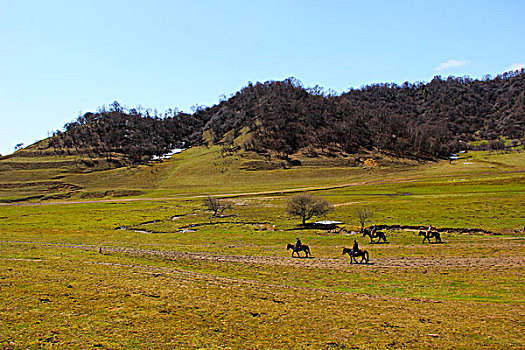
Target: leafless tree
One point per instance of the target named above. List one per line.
(216, 205)
(363, 214)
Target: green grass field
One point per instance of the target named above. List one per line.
(129, 258)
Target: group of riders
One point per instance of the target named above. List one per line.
(355, 248)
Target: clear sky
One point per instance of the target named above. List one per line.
(60, 58)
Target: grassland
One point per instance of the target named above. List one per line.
(129, 258)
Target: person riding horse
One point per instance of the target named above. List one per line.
(430, 233)
(298, 244)
(355, 248)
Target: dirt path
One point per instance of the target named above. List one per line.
(318, 263)
(331, 263)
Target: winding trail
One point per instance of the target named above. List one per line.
(339, 263)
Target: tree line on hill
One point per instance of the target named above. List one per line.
(127, 136)
(422, 120)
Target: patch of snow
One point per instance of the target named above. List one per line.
(169, 154)
(327, 222)
(142, 231)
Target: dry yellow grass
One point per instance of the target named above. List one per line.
(179, 281)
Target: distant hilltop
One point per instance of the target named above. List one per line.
(283, 118)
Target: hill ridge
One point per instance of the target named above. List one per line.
(282, 118)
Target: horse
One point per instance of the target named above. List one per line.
(429, 235)
(377, 234)
(362, 253)
(302, 248)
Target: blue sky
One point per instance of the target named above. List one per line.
(60, 58)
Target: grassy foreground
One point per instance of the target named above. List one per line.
(172, 277)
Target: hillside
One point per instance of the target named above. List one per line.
(482, 186)
(419, 120)
(283, 118)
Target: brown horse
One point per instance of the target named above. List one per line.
(378, 234)
(303, 248)
(362, 253)
(429, 235)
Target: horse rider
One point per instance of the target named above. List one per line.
(298, 244)
(355, 248)
(429, 229)
(373, 230)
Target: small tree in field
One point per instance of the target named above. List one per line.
(216, 205)
(306, 206)
(363, 214)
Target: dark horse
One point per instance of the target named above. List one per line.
(431, 234)
(303, 248)
(362, 253)
(377, 234)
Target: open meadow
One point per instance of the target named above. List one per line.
(130, 258)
